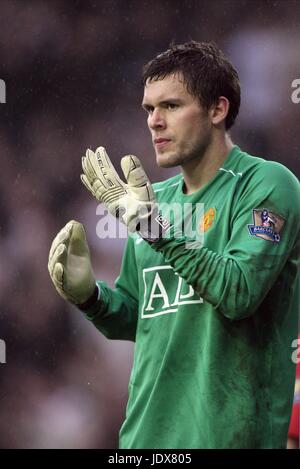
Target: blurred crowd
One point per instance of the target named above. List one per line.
(72, 73)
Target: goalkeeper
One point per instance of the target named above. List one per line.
(213, 321)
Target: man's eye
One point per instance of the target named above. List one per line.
(172, 106)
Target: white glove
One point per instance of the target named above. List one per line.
(70, 264)
(134, 203)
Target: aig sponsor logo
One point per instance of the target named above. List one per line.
(162, 296)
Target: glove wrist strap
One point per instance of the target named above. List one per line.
(90, 301)
(154, 228)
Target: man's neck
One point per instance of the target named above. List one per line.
(197, 173)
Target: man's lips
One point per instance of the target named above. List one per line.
(161, 142)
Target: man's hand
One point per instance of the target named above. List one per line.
(70, 265)
(134, 203)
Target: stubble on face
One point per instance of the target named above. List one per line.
(185, 152)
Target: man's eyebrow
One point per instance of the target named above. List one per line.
(146, 105)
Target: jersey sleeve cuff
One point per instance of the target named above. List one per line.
(93, 306)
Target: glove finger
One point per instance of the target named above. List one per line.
(88, 169)
(58, 275)
(85, 181)
(61, 237)
(59, 280)
(133, 171)
(137, 178)
(92, 170)
(78, 242)
(109, 176)
(59, 255)
(83, 164)
(97, 190)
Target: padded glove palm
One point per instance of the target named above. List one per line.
(70, 264)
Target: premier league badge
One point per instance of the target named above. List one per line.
(266, 225)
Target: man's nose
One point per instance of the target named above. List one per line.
(156, 120)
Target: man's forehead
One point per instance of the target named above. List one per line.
(159, 89)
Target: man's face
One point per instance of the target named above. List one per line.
(179, 125)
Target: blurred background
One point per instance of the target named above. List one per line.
(72, 72)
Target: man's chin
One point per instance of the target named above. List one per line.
(166, 161)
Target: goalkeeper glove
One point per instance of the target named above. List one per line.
(134, 203)
(70, 264)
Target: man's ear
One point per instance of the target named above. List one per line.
(219, 111)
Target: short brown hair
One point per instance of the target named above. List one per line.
(206, 72)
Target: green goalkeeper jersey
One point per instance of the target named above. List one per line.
(214, 322)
